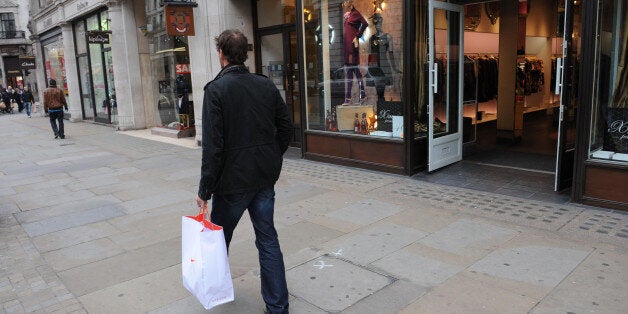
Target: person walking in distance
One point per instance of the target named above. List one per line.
(246, 130)
(28, 99)
(54, 103)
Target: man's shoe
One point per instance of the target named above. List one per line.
(56, 135)
(62, 136)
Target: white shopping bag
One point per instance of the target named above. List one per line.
(204, 261)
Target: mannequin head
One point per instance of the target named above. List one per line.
(347, 5)
(377, 21)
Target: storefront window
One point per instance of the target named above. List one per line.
(609, 135)
(353, 53)
(171, 74)
(95, 70)
(55, 63)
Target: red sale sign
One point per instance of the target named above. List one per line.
(182, 68)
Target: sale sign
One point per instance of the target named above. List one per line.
(182, 68)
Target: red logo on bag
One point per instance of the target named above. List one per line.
(192, 260)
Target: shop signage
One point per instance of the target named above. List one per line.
(179, 20)
(27, 62)
(386, 110)
(98, 37)
(178, 2)
(619, 128)
(76, 8)
(182, 68)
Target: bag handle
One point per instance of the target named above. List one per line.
(206, 223)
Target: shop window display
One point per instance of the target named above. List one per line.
(353, 51)
(55, 63)
(171, 73)
(609, 135)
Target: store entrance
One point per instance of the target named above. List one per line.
(542, 131)
(278, 60)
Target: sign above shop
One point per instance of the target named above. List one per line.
(179, 20)
(27, 62)
(191, 3)
(98, 37)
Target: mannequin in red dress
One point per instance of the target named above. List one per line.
(354, 26)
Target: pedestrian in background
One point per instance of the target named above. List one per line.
(246, 130)
(28, 99)
(17, 97)
(54, 103)
(6, 99)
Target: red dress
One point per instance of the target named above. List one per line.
(354, 27)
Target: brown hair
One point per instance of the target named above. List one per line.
(234, 46)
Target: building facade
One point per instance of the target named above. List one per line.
(15, 46)
(393, 85)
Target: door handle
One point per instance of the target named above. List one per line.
(559, 76)
(435, 76)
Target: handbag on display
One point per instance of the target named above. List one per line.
(204, 261)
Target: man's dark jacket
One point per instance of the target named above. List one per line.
(246, 130)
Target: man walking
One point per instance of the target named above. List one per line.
(54, 102)
(28, 99)
(246, 130)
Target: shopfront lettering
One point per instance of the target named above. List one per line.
(27, 64)
(619, 128)
(384, 116)
(82, 5)
(182, 68)
(98, 37)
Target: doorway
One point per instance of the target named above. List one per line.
(278, 60)
(540, 158)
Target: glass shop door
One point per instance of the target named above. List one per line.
(446, 58)
(566, 87)
(279, 61)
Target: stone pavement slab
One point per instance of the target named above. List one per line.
(404, 265)
(65, 208)
(138, 295)
(108, 272)
(333, 284)
(541, 265)
(71, 220)
(69, 237)
(371, 244)
(596, 286)
(389, 299)
(472, 293)
(468, 237)
(81, 254)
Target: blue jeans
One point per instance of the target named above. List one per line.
(227, 211)
(56, 115)
(28, 106)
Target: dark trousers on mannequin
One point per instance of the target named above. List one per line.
(351, 72)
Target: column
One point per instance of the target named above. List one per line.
(39, 70)
(2, 72)
(71, 73)
(508, 27)
(210, 19)
(126, 65)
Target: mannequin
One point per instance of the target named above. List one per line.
(182, 95)
(354, 26)
(381, 48)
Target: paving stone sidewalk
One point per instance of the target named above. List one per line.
(91, 224)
